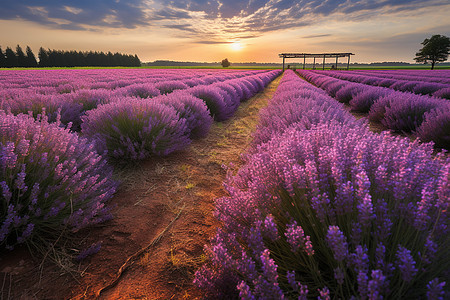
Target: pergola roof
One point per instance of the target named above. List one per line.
(317, 55)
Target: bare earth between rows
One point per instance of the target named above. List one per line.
(163, 216)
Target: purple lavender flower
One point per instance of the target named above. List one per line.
(363, 101)
(269, 267)
(338, 181)
(376, 285)
(360, 259)
(324, 294)
(91, 250)
(339, 275)
(405, 112)
(435, 127)
(365, 211)
(362, 280)
(337, 243)
(192, 109)
(135, 129)
(295, 236)
(303, 291)
(290, 275)
(431, 248)
(244, 291)
(58, 181)
(406, 263)
(435, 290)
(270, 228)
(168, 86)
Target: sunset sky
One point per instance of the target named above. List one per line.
(242, 31)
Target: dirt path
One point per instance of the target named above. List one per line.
(163, 218)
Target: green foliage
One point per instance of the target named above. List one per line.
(30, 59)
(21, 59)
(225, 63)
(60, 58)
(10, 58)
(435, 49)
(2, 58)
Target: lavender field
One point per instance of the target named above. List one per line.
(414, 102)
(321, 207)
(59, 128)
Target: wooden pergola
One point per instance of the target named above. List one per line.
(318, 55)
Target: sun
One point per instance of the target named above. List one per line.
(236, 46)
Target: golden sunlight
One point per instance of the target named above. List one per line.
(236, 46)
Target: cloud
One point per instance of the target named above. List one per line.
(212, 42)
(315, 36)
(78, 14)
(203, 19)
(184, 27)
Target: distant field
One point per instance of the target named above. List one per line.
(352, 67)
(421, 67)
(152, 67)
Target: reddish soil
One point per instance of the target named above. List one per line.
(163, 216)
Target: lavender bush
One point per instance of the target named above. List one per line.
(403, 111)
(443, 93)
(135, 129)
(26, 101)
(192, 109)
(348, 92)
(363, 101)
(214, 100)
(143, 90)
(436, 127)
(414, 82)
(50, 179)
(166, 87)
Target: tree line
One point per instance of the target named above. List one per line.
(59, 58)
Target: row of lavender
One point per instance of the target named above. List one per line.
(73, 92)
(324, 208)
(71, 80)
(52, 178)
(413, 83)
(426, 117)
(440, 76)
(135, 128)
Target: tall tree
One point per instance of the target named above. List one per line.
(21, 59)
(2, 59)
(10, 58)
(435, 49)
(43, 58)
(31, 59)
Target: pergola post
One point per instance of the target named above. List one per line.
(336, 62)
(314, 63)
(283, 63)
(304, 58)
(323, 64)
(348, 62)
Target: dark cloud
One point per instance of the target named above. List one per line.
(315, 36)
(170, 14)
(184, 27)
